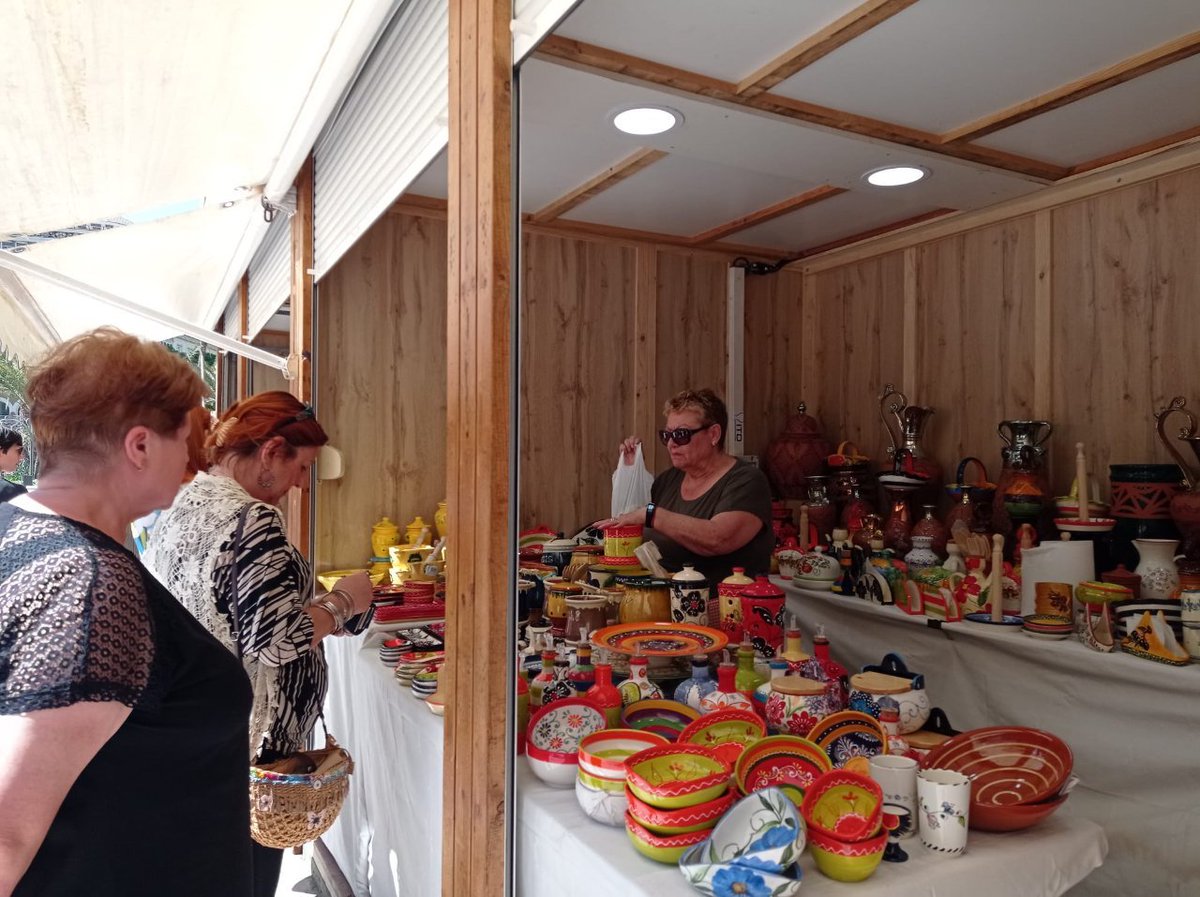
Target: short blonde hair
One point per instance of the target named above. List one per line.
(708, 403)
(88, 392)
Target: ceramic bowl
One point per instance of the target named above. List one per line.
(603, 754)
(1091, 591)
(661, 848)
(677, 776)
(559, 727)
(681, 821)
(600, 804)
(718, 879)
(764, 830)
(847, 861)
(1006, 764)
(600, 784)
(665, 718)
(783, 761)
(558, 773)
(329, 578)
(1011, 818)
(844, 806)
(722, 728)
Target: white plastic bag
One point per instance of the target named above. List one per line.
(630, 484)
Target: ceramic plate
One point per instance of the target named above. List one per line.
(1048, 636)
(1006, 620)
(850, 738)
(660, 639)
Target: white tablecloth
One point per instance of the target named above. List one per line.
(388, 837)
(561, 851)
(1131, 723)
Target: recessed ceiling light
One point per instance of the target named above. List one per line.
(643, 120)
(895, 175)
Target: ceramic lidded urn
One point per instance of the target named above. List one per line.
(796, 453)
(762, 616)
(413, 530)
(689, 597)
(729, 601)
(384, 535)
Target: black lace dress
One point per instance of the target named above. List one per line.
(162, 808)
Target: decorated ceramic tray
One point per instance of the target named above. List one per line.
(660, 639)
(850, 738)
(1006, 620)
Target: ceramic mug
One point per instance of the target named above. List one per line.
(943, 805)
(897, 777)
(1053, 599)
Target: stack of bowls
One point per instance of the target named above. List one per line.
(390, 651)
(665, 718)
(600, 782)
(725, 732)
(553, 738)
(1019, 776)
(675, 795)
(844, 814)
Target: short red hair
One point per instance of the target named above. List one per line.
(88, 392)
(249, 423)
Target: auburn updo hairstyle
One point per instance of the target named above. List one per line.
(202, 424)
(247, 424)
(88, 392)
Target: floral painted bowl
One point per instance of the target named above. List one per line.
(681, 821)
(601, 804)
(727, 732)
(661, 848)
(764, 830)
(603, 754)
(844, 806)
(677, 776)
(783, 761)
(847, 861)
(558, 728)
(720, 879)
(665, 718)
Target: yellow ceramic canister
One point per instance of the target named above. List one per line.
(439, 520)
(384, 535)
(557, 592)
(645, 600)
(413, 530)
(621, 541)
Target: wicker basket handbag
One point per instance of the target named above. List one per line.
(295, 799)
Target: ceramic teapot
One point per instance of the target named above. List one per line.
(905, 451)
(1185, 506)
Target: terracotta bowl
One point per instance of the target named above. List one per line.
(603, 754)
(677, 776)
(1006, 764)
(783, 761)
(843, 806)
(661, 848)
(1014, 817)
(681, 821)
(665, 718)
(846, 861)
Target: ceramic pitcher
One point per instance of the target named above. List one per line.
(1185, 506)
(1156, 567)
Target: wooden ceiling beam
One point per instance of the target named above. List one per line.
(877, 231)
(1179, 137)
(601, 60)
(1119, 73)
(791, 204)
(593, 186)
(567, 227)
(859, 20)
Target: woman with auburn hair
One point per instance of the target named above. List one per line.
(122, 720)
(12, 448)
(222, 549)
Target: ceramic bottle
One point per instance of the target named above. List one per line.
(439, 520)
(897, 745)
(638, 686)
(582, 674)
(823, 668)
(560, 687)
(693, 689)
(522, 706)
(605, 695)
(930, 526)
(793, 652)
(747, 678)
(545, 677)
(727, 695)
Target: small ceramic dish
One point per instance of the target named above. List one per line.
(681, 821)
(843, 805)
(1006, 764)
(559, 727)
(661, 848)
(717, 879)
(1090, 525)
(677, 776)
(847, 861)
(601, 804)
(603, 754)
(665, 718)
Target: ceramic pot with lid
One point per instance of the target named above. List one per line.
(795, 454)
(795, 705)
(644, 600)
(729, 602)
(762, 616)
(689, 597)
(890, 681)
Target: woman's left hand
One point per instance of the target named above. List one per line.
(636, 517)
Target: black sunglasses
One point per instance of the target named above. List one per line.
(305, 413)
(681, 435)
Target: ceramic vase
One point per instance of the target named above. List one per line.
(822, 515)
(1156, 567)
(726, 695)
(897, 532)
(1141, 496)
(922, 556)
(689, 597)
(539, 683)
(605, 695)
(638, 686)
(795, 454)
(582, 675)
(930, 526)
(691, 691)
(943, 805)
(439, 520)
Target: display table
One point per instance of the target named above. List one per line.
(388, 837)
(1131, 723)
(561, 851)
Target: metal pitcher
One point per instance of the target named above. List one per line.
(910, 421)
(1191, 474)
(1023, 442)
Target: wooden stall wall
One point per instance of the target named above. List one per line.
(774, 352)
(381, 383)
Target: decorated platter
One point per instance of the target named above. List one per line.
(850, 739)
(660, 639)
(1012, 620)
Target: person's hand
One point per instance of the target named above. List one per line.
(636, 517)
(358, 587)
(629, 449)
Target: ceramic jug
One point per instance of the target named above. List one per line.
(1156, 567)
(906, 451)
(1185, 505)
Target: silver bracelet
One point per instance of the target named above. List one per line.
(346, 601)
(339, 621)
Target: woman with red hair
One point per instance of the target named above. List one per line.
(222, 549)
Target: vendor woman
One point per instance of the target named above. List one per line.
(710, 509)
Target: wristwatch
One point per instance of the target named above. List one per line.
(650, 509)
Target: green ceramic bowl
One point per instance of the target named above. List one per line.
(677, 776)
(661, 848)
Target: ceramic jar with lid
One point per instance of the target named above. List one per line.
(621, 541)
(644, 600)
(729, 602)
(817, 570)
(557, 593)
(557, 553)
(896, 685)
(414, 529)
(762, 616)
(384, 535)
(584, 614)
(796, 705)
(796, 453)
(689, 597)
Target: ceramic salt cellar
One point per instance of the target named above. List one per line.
(796, 705)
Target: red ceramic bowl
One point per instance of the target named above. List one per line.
(1014, 817)
(785, 761)
(681, 821)
(677, 776)
(1006, 764)
(843, 806)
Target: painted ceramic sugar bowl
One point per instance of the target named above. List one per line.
(729, 602)
(892, 682)
(689, 597)
(384, 535)
(795, 705)
(817, 570)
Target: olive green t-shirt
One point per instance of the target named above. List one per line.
(743, 488)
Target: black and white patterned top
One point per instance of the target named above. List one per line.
(191, 551)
